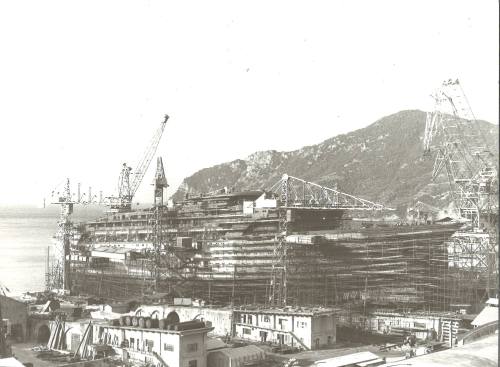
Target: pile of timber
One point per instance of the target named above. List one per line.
(57, 339)
(84, 351)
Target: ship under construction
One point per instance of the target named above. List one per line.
(295, 243)
(222, 248)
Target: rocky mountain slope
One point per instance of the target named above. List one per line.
(383, 162)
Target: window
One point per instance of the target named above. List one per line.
(420, 325)
(246, 331)
(150, 345)
(193, 363)
(192, 347)
(266, 319)
(243, 319)
(249, 319)
(168, 347)
(132, 343)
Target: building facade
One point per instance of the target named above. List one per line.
(15, 316)
(186, 348)
(304, 329)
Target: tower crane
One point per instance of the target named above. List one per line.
(127, 185)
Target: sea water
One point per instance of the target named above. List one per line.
(25, 235)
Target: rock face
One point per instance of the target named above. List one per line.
(383, 162)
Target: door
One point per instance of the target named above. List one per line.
(281, 339)
(263, 336)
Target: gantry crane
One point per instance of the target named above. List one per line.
(452, 131)
(127, 186)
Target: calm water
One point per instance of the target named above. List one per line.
(25, 234)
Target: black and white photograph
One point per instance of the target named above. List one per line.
(249, 183)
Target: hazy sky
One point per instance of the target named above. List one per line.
(83, 85)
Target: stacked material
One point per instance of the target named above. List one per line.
(84, 351)
(57, 339)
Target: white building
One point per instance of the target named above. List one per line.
(183, 348)
(424, 325)
(302, 328)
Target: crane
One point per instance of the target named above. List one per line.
(452, 130)
(57, 277)
(127, 185)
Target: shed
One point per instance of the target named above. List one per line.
(215, 343)
(235, 357)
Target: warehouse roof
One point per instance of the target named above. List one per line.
(241, 352)
(304, 311)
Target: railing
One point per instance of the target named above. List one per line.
(486, 329)
(297, 339)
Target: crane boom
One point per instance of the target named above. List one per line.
(127, 187)
(143, 165)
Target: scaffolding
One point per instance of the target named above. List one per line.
(333, 255)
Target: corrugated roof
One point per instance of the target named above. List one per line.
(215, 343)
(235, 353)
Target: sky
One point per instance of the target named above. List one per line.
(85, 84)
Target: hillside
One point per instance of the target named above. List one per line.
(383, 162)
